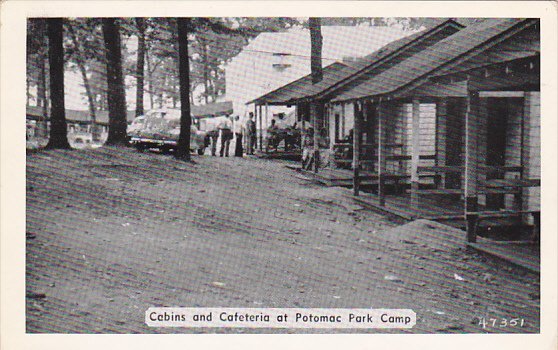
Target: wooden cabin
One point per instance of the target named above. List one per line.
(459, 120)
(445, 122)
(335, 123)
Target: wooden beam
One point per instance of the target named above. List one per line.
(472, 123)
(266, 114)
(382, 134)
(256, 124)
(441, 136)
(261, 127)
(530, 154)
(357, 141)
(482, 145)
(415, 151)
(501, 94)
(342, 121)
(315, 112)
(402, 119)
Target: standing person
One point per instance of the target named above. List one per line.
(272, 136)
(237, 128)
(213, 136)
(226, 137)
(251, 133)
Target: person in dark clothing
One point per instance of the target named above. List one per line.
(237, 128)
(251, 133)
(212, 137)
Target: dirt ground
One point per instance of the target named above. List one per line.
(112, 232)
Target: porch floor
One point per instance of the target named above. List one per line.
(520, 253)
(279, 154)
(430, 207)
(338, 177)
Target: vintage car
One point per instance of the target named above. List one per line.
(159, 129)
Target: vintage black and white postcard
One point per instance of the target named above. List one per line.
(279, 168)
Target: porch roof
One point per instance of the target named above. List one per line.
(303, 87)
(336, 74)
(424, 64)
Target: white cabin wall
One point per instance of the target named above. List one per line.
(532, 144)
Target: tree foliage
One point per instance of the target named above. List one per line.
(148, 57)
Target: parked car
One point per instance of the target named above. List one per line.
(159, 129)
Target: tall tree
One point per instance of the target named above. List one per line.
(183, 148)
(58, 128)
(115, 83)
(140, 69)
(316, 71)
(316, 49)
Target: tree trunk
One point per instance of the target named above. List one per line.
(212, 89)
(183, 148)
(58, 128)
(41, 94)
(115, 83)
(140, 22)
(88, 91)
(149, 80)
(205, 70)
(316, 49)
(317, 75)
(191, 92)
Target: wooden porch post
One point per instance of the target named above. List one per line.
(266, 114)
(342, 133)
(415, 150)
(357, 140)
(530, 156)
(316, 119)
(482, 144)
(472, 123)
(261, 127)
(382, 132)
(257, 125)
(441, 137)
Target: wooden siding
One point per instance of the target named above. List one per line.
(532, 152)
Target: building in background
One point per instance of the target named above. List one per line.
(272, 60)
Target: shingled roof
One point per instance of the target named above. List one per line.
(422, 64)
(303, 87)
(336, 74)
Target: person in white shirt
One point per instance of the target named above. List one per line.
(226, 137)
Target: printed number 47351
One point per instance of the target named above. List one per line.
(501, 322)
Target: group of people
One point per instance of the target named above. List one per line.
(233, 129)
(290, 135)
